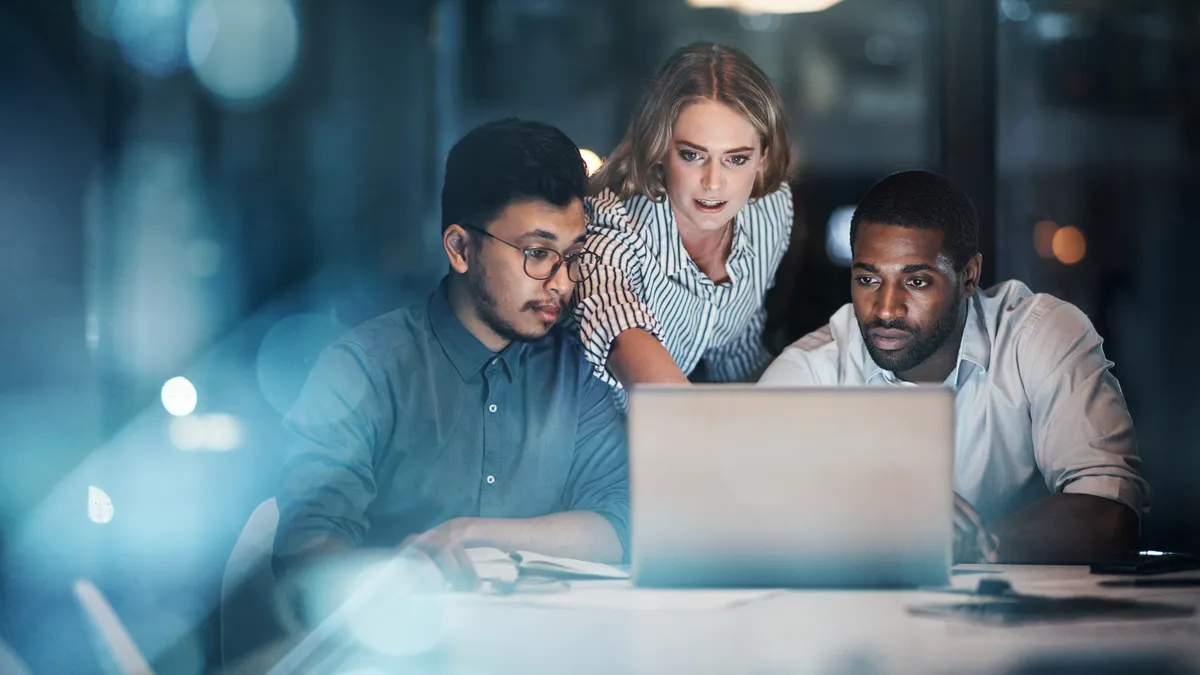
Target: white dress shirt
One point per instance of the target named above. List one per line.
(1037, 408)
(646, 279)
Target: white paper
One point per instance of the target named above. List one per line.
(536, 562)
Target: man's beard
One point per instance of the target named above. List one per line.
(486, 308)
(920, 347)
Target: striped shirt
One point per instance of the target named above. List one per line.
(645, 279)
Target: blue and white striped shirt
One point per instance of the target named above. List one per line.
(645, 279)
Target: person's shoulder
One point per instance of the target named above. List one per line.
(770, 219)
(1015, 311)
(778, 200)
(820, 357)
(610, 214)
(830, 338)
(389, 335)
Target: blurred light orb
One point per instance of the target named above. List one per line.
(96, 16)
(222, 433)
(768, 6)
(187, 433)
(216, 433)
(179, 396)
(150, 34)
(591, 160)
(1043, 238)
(1070, 246)
(100, 506)
(837, 236)
(1015, 10)
(404, 612)
(243, 51)
(288, 353)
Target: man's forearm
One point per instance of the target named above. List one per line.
(1067, 529)
(583, 535)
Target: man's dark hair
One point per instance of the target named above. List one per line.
(926, 200)
(505, 162)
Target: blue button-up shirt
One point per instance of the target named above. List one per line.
(409, 421)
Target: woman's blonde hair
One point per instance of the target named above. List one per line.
(701, 71)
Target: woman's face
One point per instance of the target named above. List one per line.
(710, 168)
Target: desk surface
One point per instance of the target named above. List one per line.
(610, 627)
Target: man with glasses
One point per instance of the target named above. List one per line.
(469, 420)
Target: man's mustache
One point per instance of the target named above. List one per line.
(890, 325)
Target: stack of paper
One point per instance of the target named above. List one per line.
(492, 564)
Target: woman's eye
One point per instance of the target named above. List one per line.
(738, 160)
(688, 155)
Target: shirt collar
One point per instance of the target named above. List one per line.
(466, 353)
(674, 257)
(975, 348)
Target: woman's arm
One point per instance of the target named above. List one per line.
(637, 357)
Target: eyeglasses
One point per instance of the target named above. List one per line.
(542, 263)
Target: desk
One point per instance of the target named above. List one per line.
(780, 632)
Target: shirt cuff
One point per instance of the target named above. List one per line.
(598, 330)
(1117, 488)
(620, 525)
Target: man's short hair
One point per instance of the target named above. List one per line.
(509, 161)
(926, 200)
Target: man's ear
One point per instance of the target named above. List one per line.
(972, 273)
(455, 241)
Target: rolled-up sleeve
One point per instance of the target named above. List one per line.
(599, 477)
(610, 302)
(1083, 434)
(327, 481)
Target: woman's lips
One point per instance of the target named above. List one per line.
(709, 205)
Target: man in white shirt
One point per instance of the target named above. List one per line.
(1046, 464)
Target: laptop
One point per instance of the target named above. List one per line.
(757, 486)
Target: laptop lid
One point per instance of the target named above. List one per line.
(743, 485)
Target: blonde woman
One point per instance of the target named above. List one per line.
(690, 217)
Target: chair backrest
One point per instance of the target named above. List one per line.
(248, 617)
(115, 649)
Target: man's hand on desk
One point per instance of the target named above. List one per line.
(446, 546)
(972, 540)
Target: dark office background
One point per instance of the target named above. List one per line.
(212, 189)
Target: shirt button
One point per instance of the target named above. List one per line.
(492, 408)
(491, 479)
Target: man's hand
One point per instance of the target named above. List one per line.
(446, 546)
(972, 541)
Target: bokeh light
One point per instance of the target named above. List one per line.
(768, 6)
(1070, 246)
(151, 34)
(404, 612)
(837, 236)
(1043, 238)
(179, 396)
(215, 433)
(243, 51)
(99, 506)
(592, 160)
(288, 353)
(96, 16)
